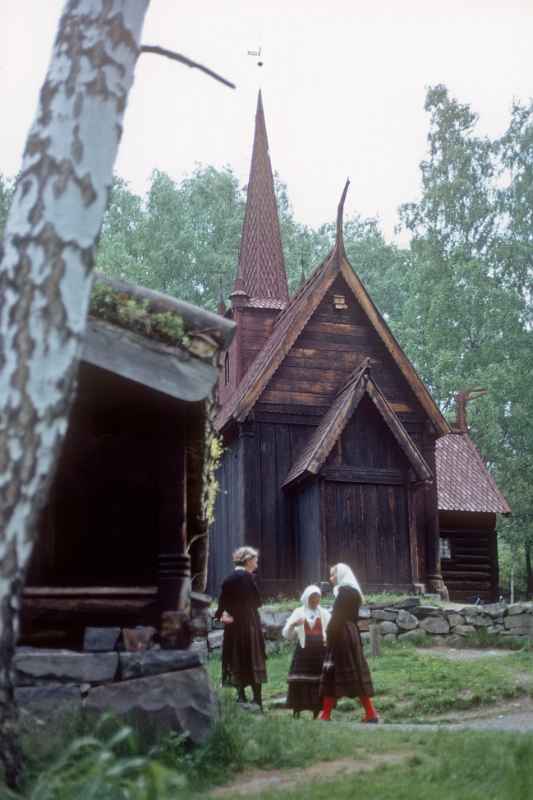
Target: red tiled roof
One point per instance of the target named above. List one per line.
(261, 271)
(463, 481)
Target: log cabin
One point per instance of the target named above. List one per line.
(330, 435)
(469, 503)
(129, 495)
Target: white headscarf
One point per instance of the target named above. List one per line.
(345, 577)
(295, 627)
(311, 614)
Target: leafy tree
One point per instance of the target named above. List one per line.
(183, 239)
(466, 320)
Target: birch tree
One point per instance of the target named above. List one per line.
(45, 281)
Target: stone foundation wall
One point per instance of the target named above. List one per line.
(156, 690)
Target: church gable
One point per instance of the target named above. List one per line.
(324, 333)
(366, 442)
(377, 447)
(334, 342)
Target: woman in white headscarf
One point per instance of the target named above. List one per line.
(345, 671)
(307, 625)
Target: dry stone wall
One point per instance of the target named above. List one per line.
(412, 619)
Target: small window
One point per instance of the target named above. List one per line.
(226, 369)
(339, 302)
(445, 548)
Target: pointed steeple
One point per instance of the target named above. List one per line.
(261, 278)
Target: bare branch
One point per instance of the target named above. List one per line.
(161, 51)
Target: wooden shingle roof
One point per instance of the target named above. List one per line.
(463, 481)
(332, 424)
(292, 322)
(261, 278)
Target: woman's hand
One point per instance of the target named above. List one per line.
(226, 618)
(297, 622)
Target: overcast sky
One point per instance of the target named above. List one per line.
(343, 87)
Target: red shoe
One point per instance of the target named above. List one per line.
(328, 704)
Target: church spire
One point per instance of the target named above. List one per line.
(261, 278)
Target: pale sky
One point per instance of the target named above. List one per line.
(343, 86)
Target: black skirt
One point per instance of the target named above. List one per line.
(243, 652)
(345, 672)
(304, 674)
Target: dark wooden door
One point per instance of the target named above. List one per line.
(367, 527)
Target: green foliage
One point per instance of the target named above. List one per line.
(183, 239)
(466, 320)
(106, 764)
(134, 314)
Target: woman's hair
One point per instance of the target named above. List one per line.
(243, 554)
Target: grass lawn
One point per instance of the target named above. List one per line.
(411, 685)
(459, 766)
(379, 598)
(414, 685)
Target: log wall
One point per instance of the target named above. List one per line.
(472, 570)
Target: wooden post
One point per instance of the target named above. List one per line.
(435, 582)
(375, 639)
(174, 571)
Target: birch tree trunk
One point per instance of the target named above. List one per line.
(45, 281)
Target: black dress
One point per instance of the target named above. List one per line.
(243, 647)
(345, 672)
(305, 670)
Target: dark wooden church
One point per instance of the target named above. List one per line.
(330, 434)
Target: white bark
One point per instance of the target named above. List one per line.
(46, 268)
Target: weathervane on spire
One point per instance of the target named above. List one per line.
(257, 54)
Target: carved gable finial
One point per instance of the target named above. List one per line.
(339, 243)
(461, 399)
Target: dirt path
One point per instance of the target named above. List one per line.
(515, 715)
(462, 654)
(263, 780)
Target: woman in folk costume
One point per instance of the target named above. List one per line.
(345, 672)
(243, 646)
(307, 624)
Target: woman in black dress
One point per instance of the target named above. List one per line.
(307, 624)
(243, 647)
(345, 672)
